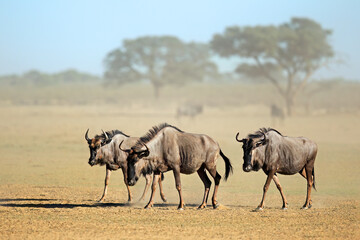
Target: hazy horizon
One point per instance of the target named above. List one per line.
(58, 35)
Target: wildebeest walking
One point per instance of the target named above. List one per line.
(269, 150)
(104, 151)
(189, 110)
(165, 148)
(277, 114)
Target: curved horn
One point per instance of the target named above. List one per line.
(86, 136)
(237, 139)
(106, 136)
(264, 137)
(146, 152)
(147, 149)
(124, 150)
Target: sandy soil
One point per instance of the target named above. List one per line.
(65, 213)
(47, 189)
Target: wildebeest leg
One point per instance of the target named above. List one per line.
(217, 179)
(148, 181)
(207, 183)
(303, 173)
(309, 179)
(277, 182)
(126, 183)
(107, 178)
(162, 195)
(153, 189)
(178, 187)
(266, 187)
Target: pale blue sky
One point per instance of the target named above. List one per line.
(52, 36)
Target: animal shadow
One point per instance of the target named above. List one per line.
(53, 205)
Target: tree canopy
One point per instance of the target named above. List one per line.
(160, 60)
(287, 55)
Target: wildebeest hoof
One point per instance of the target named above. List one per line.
(149, 206)
(215, 206)
(306, 207)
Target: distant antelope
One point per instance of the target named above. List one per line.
(277, 114)
(189, 110)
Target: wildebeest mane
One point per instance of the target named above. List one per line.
(152, 133)
(261, 132)
(111, 134)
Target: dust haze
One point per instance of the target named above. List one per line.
(47, 188)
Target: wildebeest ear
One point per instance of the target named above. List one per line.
(145, 154)
(262, 142)
(259, 143)
(106, 141)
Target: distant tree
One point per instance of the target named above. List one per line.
(36, 78)
(39, 79)
(160, 60)
(73, 76)
(286, 55)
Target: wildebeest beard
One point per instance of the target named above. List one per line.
(148, 169)
(256, 166)
(132, 172)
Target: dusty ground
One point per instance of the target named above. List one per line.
(47, 189)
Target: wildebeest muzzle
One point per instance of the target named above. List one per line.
(132, 182)
(91, 162)
(247, 167)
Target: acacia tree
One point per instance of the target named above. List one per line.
(286, 55)
(161, 60)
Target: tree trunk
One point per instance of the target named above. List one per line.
(289, 100)
(156, 91)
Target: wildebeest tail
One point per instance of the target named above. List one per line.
(162, 176)
(313, 173)
(228, 167)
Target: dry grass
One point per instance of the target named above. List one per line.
(47, 189)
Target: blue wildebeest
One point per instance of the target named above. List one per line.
(189, 110)
(277, 113)
(269, 150)
(104, 151)
(166, 148)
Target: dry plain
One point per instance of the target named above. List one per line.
(47, 189)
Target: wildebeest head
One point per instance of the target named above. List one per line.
(95, 144)
(252, 155)
(136, 163)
